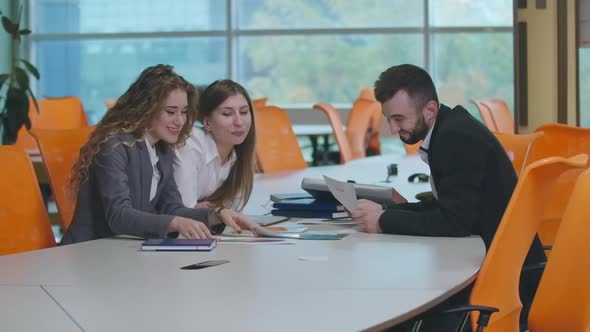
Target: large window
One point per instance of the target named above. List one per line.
(584, 86)
(296, 53)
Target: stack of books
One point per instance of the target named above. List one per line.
(308, 208)
(319, 202)
(378, 194)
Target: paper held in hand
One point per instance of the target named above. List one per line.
(343, 191)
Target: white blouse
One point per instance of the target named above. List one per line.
(197, 167)
(155, 172)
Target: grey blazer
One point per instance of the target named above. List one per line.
(114, 199)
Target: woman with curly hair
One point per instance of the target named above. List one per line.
(124, 176)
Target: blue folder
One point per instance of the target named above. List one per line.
(308, 204)
(308, 214)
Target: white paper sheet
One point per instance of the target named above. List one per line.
(343, 191)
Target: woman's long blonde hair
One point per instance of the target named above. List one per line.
(133, 114)
(241, 176)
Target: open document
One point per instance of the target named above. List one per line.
(343, 191)
(264, 232)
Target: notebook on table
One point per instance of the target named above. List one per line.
(309, 214)
(289, 196)
(266, 220)
(309, 204)
(265, 232)
(179, 245)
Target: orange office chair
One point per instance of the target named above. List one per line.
(562, 301)
(501, 114)
(518, 147)
(74, 100)
(277, 148)
(259, 103)
(374, 145)
(58, 113)
(109, 103)
(337, 128)
(497, 284)
(24, 224)
(367, 94)
(560, 140)
(358, 125)
(555, 207)
(486, 115)
(60, 150)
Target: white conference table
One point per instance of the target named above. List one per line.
(362, 282)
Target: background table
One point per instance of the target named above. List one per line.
(313, 132)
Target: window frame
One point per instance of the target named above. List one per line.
(232, 36)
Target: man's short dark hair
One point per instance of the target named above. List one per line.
(413, 79)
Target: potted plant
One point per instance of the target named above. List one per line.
(15, 89)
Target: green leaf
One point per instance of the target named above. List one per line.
(30, 68)
(17, 113)
(3, 78)
(9, 27)
(25, 32)
(34, 100)
(22, 78)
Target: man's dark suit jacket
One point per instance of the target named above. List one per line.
(474, 180)
(114, 199)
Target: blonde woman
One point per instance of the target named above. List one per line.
(216, 166)
(123, 178)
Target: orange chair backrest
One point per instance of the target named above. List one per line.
(24, 224)
(72, 99)
(54, 113)
(60, 150)
(498, 281)
(277, 148)
(367, 94)
(560, 140)
(338, 130)
(501, 114)
(563, 141)
(374, 144)
(562, 301)
(554, 208)
(259, 103)
(518, 148)
(374, 139)
(358, 125)
(486, 115)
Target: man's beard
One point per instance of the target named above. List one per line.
(418, 133)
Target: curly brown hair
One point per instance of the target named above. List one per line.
(133, 114)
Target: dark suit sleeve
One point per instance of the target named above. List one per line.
(458, 164)
(170, 202)
(110, 172)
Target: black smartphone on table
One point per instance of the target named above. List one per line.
(204, 264)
